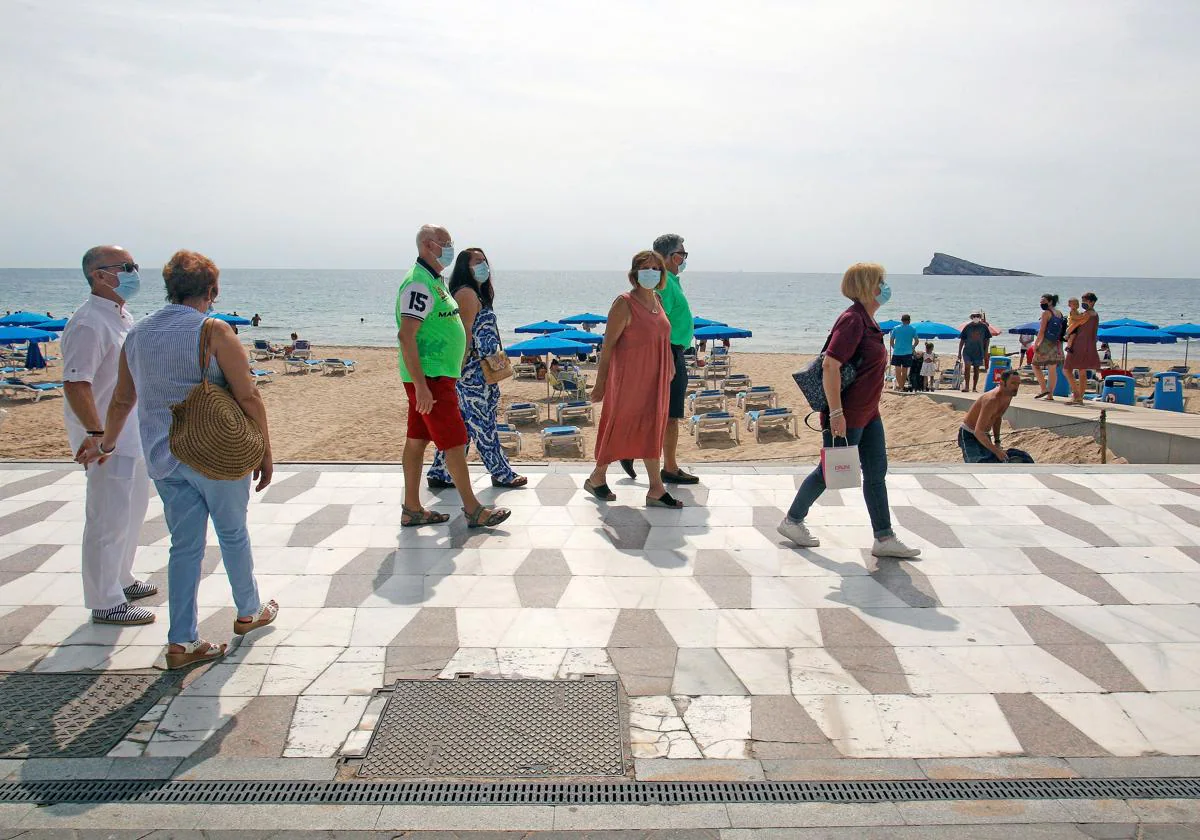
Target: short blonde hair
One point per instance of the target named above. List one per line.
(648, 259)
(861, 281)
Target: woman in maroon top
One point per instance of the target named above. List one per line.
(853, 414)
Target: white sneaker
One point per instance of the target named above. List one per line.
(798, 533)
(892, 547)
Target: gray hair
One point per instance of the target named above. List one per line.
(429, 232)
(93, 257)
(668, 244)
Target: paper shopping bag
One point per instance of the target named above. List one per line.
(840, 466)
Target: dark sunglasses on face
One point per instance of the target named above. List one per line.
(683, 254)
(129, 266)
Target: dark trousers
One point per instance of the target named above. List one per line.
(872, 454)
(975, 452)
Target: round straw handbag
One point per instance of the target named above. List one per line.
(210, 432)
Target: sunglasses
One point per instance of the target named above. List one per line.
(683, 254)
(129, 266)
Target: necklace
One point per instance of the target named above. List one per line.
(653, 307)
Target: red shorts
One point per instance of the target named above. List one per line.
(444, 423)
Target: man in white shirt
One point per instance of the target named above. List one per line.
(118, 491)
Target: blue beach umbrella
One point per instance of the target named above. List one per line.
(1187, 332)
(544, 346)
(1032, 328)
(698, 322)
(888, 326)
(57, 325)
(1133, 335)
(934, 330)
(541, 327)
(584, 318)
(232, 320)
(22, 319)
(721, 331)
(578, 335)
(1128, 322)
(19, 335)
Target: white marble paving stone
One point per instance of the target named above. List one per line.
(767, 628)
(558, 628)
(762, 671)
(320, 725)
(293, 669)
(1102, 718)
(814, 671)
(1118, 624)
(485, 628)
(193, 719)
(1003, 591)
(720, 726)
(330, 626)
(657, 730)
(378, 626)
(1170, 721)
(580, 661)
(1142, 560)
(813, 592)
(226, 680)
(1163, 666)
(480, 662)
(347, 678)
(1168, 588)
(989, 670)
(944, 626)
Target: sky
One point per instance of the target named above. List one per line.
(1057, 137)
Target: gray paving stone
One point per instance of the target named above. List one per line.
(929, 528)
(19, 623)
(54, 769)
(1159, 766)
(117, 816)
(1188, 514)
(1110, 831)
(1072, 526)
(544, 562)
(718, 562)
(143, 768)
(29, 559)
(349, 590)
(291, 816)
(1185, 811)
(702, 671)
(1041, 731)
(477, 817)
(877, 669)
(258, 731)
(780, 728)
(644, 670)
(431, 627)
(289, 488)
(626, 528)
(1097, 810)
(1073, 489)
(416, 662)
(33, 482)
(593, 817)
(1074, 575)
(224, 768)
(912, 832)
(807, 814)
(537, 591)
(153, 530)
(697, 770)
(728, 593)
(640, 628)
(1014, 811)
(313, 529)
(997, 768)
(1080, 650)
(1170, 832)
(845, 628)
(844, 769)
(907, 583)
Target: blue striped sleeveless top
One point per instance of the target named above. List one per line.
(163, 352)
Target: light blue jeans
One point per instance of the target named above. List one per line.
(189, 500)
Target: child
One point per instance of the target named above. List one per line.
(1075, 317)
(929, 367)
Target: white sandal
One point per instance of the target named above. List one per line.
(193, 652)
(265, 615)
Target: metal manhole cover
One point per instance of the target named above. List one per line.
(73, 715)
(511, 728)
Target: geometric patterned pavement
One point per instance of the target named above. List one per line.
(1053, 614)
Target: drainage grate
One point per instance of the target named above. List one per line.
(507, 728)
(73, 715)
(628, 793)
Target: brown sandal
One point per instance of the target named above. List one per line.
(410, 518)
(193, 653)
(494, 516)
(266, 614)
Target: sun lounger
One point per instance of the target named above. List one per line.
(301, 349)
(292, 364)
(1141, 374)
(13, 387)
(735, 382)
(695, 383)
(260, 376)
(559, 436)
(705, 401)
(262, 351)
(758, 396)
(773, 418)
(524, 371)
(509, 438)
(717, 368)
(337, 367)
(715, 422)
(564, 383)
(574, 410)
(518, 413)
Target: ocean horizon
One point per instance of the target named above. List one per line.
(787, 312)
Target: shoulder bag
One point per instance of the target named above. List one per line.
(811, 378)
(210, 432)
(497, 367)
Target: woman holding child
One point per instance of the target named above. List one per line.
(1081, 348)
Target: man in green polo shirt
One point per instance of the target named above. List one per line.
(675, 304)
(433, 345)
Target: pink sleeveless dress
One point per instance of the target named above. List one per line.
(637, 394)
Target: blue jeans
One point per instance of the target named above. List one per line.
(872, 454)
(975, 452)
(189, 500)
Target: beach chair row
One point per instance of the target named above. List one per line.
(331, 367)
(724, 423)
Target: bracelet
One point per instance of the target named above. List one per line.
(108, 452)
(96, 434)
(837, 412)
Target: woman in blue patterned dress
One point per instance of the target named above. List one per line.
(471, 285)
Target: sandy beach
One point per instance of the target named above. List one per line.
(361, 417)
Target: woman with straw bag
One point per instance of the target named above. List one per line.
(204, 431)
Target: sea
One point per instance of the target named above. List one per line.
(787, 313)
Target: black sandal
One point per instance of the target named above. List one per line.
(680, 477)
(519, 481)
(665, 500)
(600, 491)
(438, 483)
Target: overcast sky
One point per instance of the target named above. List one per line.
(1053, 136)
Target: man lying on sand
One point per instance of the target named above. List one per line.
(985, 415)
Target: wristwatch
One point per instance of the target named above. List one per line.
(104, 451)
(98, 434)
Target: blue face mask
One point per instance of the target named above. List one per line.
(885, 294)
(481, 272)
(682, 265)
(447, 256)
(649, 278)
(128, 284)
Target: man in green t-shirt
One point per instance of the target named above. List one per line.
(679, 312)
(433, 345)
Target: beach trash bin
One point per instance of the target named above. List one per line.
(1120, 389)
(996, 366)
(1062, 387)
(1168, 391)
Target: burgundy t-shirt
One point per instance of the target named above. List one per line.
(856, 334)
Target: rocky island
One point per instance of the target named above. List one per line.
(946, 264)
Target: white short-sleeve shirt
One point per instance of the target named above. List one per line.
(91, 348)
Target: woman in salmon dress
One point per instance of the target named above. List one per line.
(633, 381)
(1082, 355)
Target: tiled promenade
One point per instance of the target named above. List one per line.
(1050, 629)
